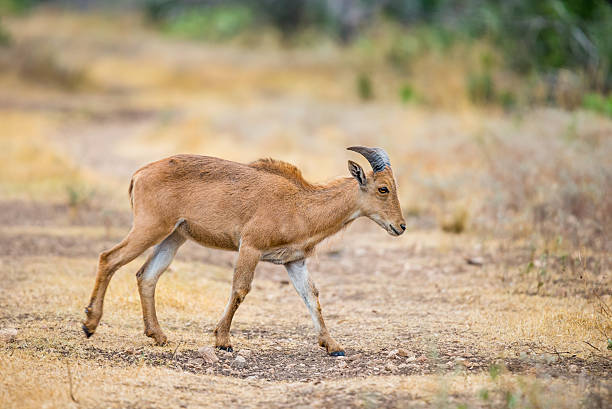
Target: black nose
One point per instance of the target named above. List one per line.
(403, 226)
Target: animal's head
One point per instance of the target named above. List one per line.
(378, 190)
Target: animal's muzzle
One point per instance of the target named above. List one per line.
(397, 231)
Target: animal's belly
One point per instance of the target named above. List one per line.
(283, 255)
(209, 238)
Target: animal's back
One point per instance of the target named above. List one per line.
(214, 192)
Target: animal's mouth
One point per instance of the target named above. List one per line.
(394, 231)
(390, 228)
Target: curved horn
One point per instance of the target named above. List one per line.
(377, 157)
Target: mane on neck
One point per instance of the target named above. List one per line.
(286, 170)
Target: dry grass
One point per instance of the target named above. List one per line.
(528, 193)
(23, 142)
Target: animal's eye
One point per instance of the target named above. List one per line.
(383, 189)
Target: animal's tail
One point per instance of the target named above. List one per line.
(130, 191)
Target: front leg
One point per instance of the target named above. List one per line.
(298, 273)
(241, 285)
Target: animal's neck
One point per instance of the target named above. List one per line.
(331, 207)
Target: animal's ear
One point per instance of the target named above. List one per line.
(357, 173)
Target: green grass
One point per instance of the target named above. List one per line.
(210, 23)
(598, 103)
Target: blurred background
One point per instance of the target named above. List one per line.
(497, 115)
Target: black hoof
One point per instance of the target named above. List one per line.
(337, 353)
(86, 331)
(228, 349)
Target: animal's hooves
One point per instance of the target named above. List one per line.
(337, 353)
(87, 332)
(161, 340)
(228, 349)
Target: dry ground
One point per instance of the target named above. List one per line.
(470, 335)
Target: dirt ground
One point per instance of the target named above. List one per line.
(420, 325)
(430, 319)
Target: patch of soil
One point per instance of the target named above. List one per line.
(309, 363)
(29, 213)
(15, 245)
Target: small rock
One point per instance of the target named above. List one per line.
(402, 352)
(549, 358)
(402, 366)
(355, 357)
(422, 358)
(392, 353)
(239, 362)
(8, 334)
(251, 378)
(573, 368)
(208, 355)
(195, 362)
(390, 367)
(210, 371)
(245, 353)
(475, 261)
(341, 364)
(307, 390)
(411, 358)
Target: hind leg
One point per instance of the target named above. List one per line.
(136, 242)
(147, 278)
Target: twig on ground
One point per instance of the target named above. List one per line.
(592, 346)
(175, 350)
(598, 350)
(554, 351)
(70, 383)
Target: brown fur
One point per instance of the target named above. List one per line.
(265, 210)
(287, 170)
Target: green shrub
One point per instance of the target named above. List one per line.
(507, 99)
(598, 103)
(15, 6)
(543, 37)
(210, 23)
(404, 48)
(551, 34)
(407, 93)
(481, 88)
(365, 89)
(5, 38)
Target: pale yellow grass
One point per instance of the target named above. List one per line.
(25, 158)
(550, 323)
